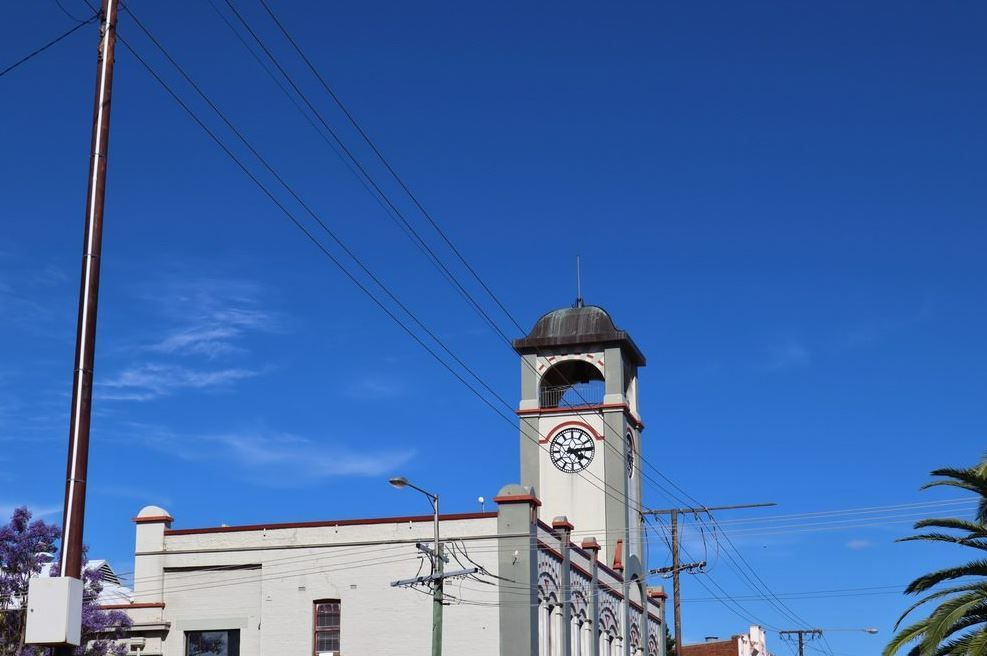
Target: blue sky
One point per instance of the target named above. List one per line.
(782, 202)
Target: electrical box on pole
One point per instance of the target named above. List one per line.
(54, 606)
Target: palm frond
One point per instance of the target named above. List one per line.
(923, 583)
(948, 614)
(954, 647)
(943, 537)
(973, 479)
(939, 594)
(905, 636)
(976, 529)
(978, 644)
(971, 619)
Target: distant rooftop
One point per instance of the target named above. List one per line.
(574, 326)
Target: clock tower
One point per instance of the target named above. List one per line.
(580, 426)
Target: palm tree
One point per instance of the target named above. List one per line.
(958, 625)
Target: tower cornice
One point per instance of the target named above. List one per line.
(588, 409)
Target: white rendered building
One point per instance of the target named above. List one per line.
(559, 566)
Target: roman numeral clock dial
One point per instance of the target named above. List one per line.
(571, 450)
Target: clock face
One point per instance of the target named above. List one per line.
(572, 449)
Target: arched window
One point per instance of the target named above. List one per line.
(571, 383)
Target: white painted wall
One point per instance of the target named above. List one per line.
(272, 605)
(577, 496)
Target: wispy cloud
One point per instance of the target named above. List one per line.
(215, 333)
(275, 459)
(374, 388)
(204, 319)
(153, 380)
(858, 544)
(210, 316)
(787, 355)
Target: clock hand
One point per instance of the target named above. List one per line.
(579, 450)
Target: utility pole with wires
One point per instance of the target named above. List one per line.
(812, 634)
(677, 568)
(436, 555)
(65, 591)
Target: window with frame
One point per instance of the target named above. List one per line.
(327, 627)
(212, 643)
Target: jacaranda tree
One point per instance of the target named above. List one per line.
(26, 548)
(958, 624)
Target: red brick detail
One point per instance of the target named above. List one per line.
(324, 524)
(657, 594)
(590, 544)
(557, 429)
(149, 604)
(519, 498)
(618, 556)
(567, 525)
(635, 421)
(729, 647)
(154, 519)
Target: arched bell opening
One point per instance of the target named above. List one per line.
(570, 384)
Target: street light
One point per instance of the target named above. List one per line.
(400, 482)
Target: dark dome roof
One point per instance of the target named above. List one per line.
(571, 326)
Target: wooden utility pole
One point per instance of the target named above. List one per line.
(802, 633)
(677, 567)
(676, 573)
(438, 599)
(73, 518)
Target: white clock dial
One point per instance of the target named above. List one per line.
(571, 450)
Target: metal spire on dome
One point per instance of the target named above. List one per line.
(579, 287)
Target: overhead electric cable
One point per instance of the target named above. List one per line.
(618, 495)
(387, 164)
(34, 53)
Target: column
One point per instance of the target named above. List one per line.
(543, 629)
(586, 638)
(576, 641)
(594, 646)
(564, 528)
(517, 521)
(557, 632)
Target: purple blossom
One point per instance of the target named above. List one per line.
(25, 548)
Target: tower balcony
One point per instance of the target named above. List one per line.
(572, 396)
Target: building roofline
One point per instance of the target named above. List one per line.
(329, 523)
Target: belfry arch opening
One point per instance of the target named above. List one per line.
(570, 384)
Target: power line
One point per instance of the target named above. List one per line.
(311, 237)
(65, 11)
(343, 246)
(387, 164)
(391, 207)
(618, 495)
(31, 55)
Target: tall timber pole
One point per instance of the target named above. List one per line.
(73, 519)
(677, 567)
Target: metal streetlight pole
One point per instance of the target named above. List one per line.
(401, 482)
